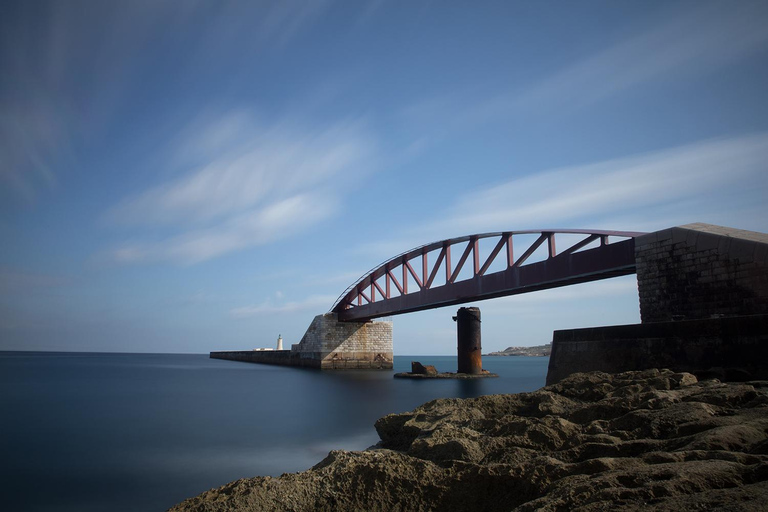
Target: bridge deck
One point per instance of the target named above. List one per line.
(576, 264)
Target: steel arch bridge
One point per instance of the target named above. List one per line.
(408, 283)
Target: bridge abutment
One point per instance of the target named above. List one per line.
(703, 293)
(339, 345)
(330, 345)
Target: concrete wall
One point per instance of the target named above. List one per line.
(700, 271)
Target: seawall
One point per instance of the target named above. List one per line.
(304, 359)
(329, 345)
(278, 357)
(731, 348)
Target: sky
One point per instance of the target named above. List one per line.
(192, 176)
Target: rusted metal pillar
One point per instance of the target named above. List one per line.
(468, 329)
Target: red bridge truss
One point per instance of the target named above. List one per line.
(409, 283)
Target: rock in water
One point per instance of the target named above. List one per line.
(420, 369)
(631, 441)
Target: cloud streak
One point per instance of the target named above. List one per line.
(261, 226)
(251, 186)
(247, 165)
(648, 191)
(32, 137)
(313, 303)
(616, 287)
(692, 42)
(67, 78)
(598, 191)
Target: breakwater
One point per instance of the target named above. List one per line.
(329, 345)
(278, 357)
(305, 359)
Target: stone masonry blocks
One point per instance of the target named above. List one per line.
(704, 306)
(701, 271)
(347, 345)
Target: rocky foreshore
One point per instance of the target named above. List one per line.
(595, 441)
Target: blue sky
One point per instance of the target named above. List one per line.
(192, 176)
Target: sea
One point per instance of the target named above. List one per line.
(142, 432)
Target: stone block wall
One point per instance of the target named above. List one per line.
(701, 271)
(342, 345)
(276, 357)
(329, 345)
(703, 304)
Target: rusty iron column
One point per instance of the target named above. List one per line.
(468, 329)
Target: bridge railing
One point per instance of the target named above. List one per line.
(410, 273)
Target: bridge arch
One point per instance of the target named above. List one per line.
(408, 282)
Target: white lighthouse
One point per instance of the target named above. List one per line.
(279, 342)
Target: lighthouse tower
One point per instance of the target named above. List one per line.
(279, 342)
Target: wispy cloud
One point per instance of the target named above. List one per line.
(258, 227)
(248, 186)
(32, 137)
(622, 286)
(690, 43)
(340, 278)
(270, 307)
(196, 298)
(284, 18)
(595, 192)
(705, 181)
(244, 165)
(66, 79)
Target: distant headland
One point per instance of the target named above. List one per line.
(537, 351)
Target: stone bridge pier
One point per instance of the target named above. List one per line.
(339, 345)
(330, 344)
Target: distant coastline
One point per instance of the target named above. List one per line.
(537, 351)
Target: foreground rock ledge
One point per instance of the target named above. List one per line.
(594, 441)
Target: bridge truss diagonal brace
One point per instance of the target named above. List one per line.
(602, 262)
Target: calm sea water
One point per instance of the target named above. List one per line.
(141, 432)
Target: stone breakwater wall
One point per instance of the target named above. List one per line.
(330, 345)
(278, 357)
(342, 345)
